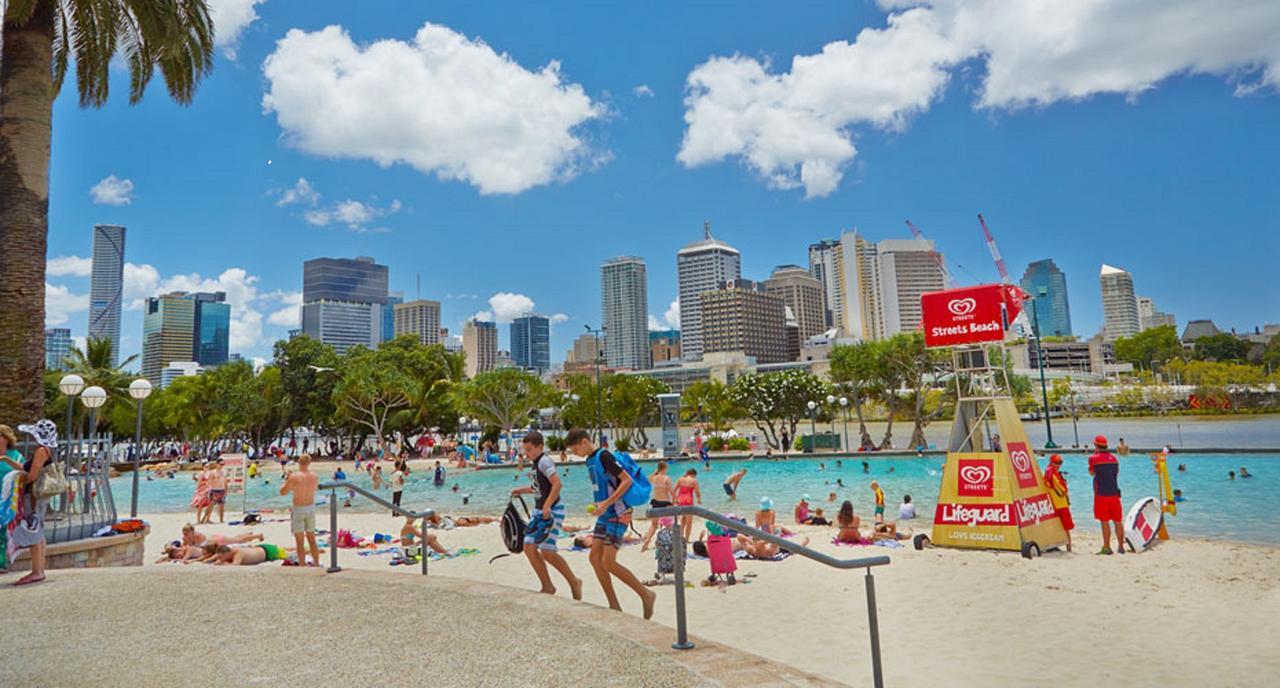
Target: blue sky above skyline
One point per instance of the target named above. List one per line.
(464, 159)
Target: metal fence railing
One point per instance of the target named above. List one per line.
(334, 485)
(682, 635)
(88, 505)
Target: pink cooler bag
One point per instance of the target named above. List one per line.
(720, 552)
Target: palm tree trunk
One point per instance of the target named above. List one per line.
(26, 115)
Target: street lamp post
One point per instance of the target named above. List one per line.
(138, 389)
(831, 404)
(93, 398)
(813, 427)
(844, 404)
(71, 385)
(599, 389)
(1044, 389)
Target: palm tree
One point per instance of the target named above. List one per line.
(93, 363)
(41, 38)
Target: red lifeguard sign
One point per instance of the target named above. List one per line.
(969, 315)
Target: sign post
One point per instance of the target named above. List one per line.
(669, 410)
(235, 465)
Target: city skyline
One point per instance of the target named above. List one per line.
(1131, 175)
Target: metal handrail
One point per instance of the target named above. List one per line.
(682, 635)
(333, 487)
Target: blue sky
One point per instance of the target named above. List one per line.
(461, 159)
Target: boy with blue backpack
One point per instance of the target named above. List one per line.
(619, 485)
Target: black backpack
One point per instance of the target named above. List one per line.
(513, 525)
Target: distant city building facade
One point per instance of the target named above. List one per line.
(168, 333)
(700, 267)
(848, 272)
(1149, 316)
(178, 369)
(824, 266)
(389, 314)
(741, 317)
(1048, 286)
(212, 335)
(907, 269)
(344, 301)
(106, 286)
(802, 294)
(625, 313)
(664, 346)
(480, 344)
(1119, 304)
(531, 343)
(585, 349)
(419, 318)
(57, 348)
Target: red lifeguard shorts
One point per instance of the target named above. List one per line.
(1108, 508)
(1064, 515)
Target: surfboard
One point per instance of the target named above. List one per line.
(1142, 523)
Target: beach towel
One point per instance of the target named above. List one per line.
(9, 498)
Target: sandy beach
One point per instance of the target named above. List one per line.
(1187, 612)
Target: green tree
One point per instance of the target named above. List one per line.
(308, 374)
(432, 372)
(710, 402)
(777, 401)
(853, 369)
(1149, 347)
(1224, 347)
(1271, 355)
(504, 398)
(919, 368)
(632, 403)
(42, 39)
(93, 364)
(371, 388)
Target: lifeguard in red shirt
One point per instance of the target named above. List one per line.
(1057, 487)
(1107, 508)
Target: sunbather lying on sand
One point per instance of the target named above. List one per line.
(409, 532)
(760, 549)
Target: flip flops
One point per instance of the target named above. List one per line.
(1104, 550)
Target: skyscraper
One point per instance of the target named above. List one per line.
(625, 313)
(168, 333)
(585, 349)
(742, 317)
(212, 336)
(344, 301)
(480, 344)
(419, 318)
(908, 268)
(824, 266)
(702, 266)
(1048, 285)
(1119, 304)
(106, 286)
(848, 271)
(802, 294)
(531, 343)
(389, 314)
(57, 347)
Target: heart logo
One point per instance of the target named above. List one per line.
(975, 474)
(962, 306)
(1021, 461)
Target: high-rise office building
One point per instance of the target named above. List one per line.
(625, 313)
(480, 344)
(585, 349)
(168, 333)
(802, 293)
(57, 347)
(343, 324)
(664, 346)
(1048, 286)
(742, 317)
(848, 272)
(702, 266)
(419, 318)
(106, 286)
(212, 336)
(1149, 316)
(531, 343)
(344, 301)
(389, 314)
(907, 269)
(1119, 304)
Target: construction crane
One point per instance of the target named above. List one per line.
(995, 252)
(937, 257)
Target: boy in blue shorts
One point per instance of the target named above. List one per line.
(612, 519)
(544, 526)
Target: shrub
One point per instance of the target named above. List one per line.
(715, 443)
(622, 444)
(739, 444)
(555, 443)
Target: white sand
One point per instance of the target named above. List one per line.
(1188, 612)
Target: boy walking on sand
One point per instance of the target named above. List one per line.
(879, 495)
(1107, 508)
(543, 529)
(303, 484)
(612, 518)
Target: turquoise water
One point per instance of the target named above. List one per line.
(1216, 507)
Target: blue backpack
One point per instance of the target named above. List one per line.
(636, 495)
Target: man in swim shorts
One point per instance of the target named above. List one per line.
(731, 484)
(1107, 507)
(218, 490)
(879, 496)
(303, 484)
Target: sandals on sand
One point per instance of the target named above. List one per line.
(1104, 550)
(27, 580)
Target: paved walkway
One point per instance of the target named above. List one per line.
(282, 627)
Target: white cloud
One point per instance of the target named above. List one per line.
(642, 91)
(112, 191)
(301, 192)
(74, 266)
(654, 325)
(354, 214)
(505, 307)
(672, 315)
(230, 19)
(140, 281)
(60, 303)
(443, 103)
(559, 318)
(795, 128)
(290, 314)
(79, 342)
